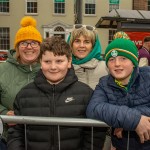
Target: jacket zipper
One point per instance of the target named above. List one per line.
(29, 74)
(87, 77)
(53, 113)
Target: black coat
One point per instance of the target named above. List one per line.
(66, 99)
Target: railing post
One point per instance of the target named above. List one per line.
(1, 127)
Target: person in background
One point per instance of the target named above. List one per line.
(55, 92)
(87, 61)
(121, 99)
(21, 66)
(144, 53)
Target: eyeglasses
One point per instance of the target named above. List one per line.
(88, 27)
(25, 44)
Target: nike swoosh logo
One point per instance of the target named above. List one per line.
(69, 99)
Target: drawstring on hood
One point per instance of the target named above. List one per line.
(30, 68)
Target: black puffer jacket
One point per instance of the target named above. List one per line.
(66, 99)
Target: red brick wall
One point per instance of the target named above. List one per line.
(140, 4)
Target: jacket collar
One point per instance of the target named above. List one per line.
(24, 68)
(46, 87)
(135, 75)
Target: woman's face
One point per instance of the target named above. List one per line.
(81, 47)
(29, 51)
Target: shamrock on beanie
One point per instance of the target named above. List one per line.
(122, 47)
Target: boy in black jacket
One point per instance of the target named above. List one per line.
(55, 92)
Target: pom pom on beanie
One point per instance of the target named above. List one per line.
(120, 34)
(28, 21)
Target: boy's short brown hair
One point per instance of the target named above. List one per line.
(57, 45)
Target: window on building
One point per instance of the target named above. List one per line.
(59, 31)
(4, 6)
(59, 6)
(75, 6)
(47, 34)
(4, 38)
(31, 6)
(90, 6)
(113, 4)
(148, 5)
(111, 34)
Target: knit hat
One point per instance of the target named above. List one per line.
(122, 47)
(27, 31)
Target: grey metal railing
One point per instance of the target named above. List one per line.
(52, 121)
(58, 121)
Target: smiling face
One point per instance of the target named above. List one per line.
(81, 47)
(54, 67)
(120, 68)
(28, 54)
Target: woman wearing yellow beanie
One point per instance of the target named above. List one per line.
(21, 66)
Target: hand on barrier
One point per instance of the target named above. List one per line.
(118, 132)
(143, 129)
(112, 148)
(11, 113)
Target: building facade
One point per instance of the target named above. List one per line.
(57, 17)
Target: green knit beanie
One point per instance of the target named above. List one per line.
(122, 47)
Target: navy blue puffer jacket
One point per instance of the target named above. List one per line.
(123, 109)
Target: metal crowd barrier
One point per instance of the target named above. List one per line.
(52, 121)
(58, 121)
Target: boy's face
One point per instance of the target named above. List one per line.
(120, 68)
(54, 67)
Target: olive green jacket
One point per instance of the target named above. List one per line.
(13, 76)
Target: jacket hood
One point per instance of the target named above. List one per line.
(92, 64)
(24, 68)
(11, 57)
(42, 83)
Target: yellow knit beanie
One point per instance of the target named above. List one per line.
(27, 31)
